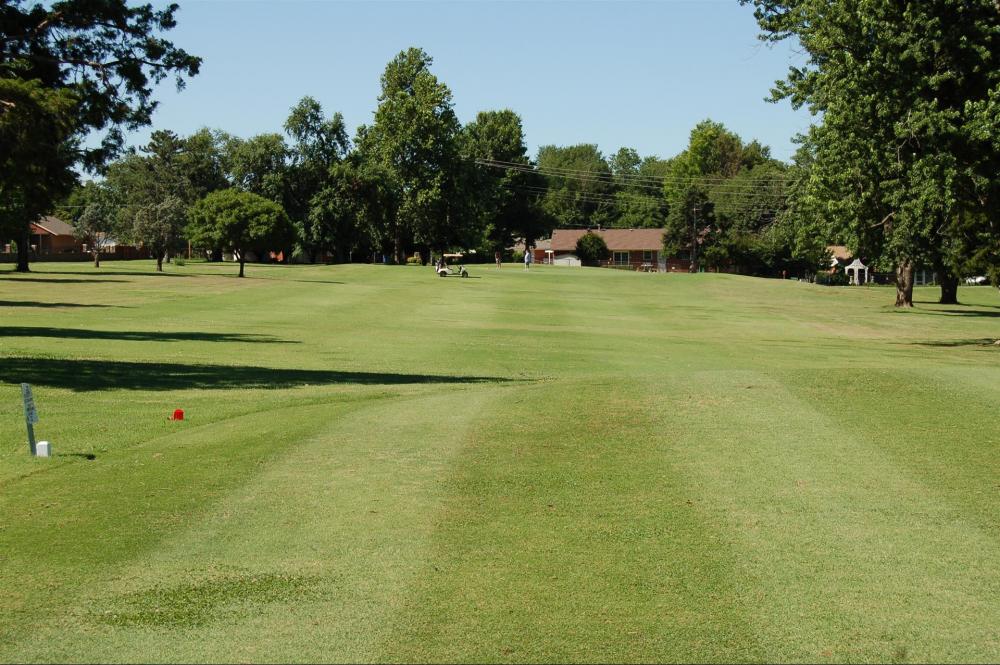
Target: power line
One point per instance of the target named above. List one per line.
(728, 187)
(611, 177)
(612, 199)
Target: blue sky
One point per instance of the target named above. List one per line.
(636, 74)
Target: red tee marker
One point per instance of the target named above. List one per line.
(178, 414)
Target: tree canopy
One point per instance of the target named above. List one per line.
(68, 70)
(414, 140)
(900, 162)
(239, 222)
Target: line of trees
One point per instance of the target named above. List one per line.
(901, 166)
(415, 179)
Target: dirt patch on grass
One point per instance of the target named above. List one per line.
(210, 599)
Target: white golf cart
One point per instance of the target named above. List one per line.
(447, 269)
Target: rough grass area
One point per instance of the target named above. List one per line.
(377, 464)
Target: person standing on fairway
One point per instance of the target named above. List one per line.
(496, 255)
(527, 257)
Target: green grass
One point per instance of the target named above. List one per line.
(569, 464)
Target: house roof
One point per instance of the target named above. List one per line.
(545, 243)
(564, 240)
(839, 252)
(54, 226)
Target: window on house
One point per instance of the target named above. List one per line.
(649, 256)
(621, 258)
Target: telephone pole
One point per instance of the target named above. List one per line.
(694, 237)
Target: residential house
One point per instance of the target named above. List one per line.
(632, 249)
(51, 235)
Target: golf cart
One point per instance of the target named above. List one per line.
(443, 268)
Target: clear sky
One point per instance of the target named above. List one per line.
(636, 74)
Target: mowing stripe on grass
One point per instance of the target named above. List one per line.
(854, 556)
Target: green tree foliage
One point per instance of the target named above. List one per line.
(580, 186)
(319, 145)
(591, 249)
(345, 215)
(506, 199)
(690, 223)
(67, 70)
(414, 141)
(152, 192)
(37, 126)
(239, 222)
(901, 161)
(258, 165)
(639, 202)
(202, 163)
(91, 211)
(725, 198)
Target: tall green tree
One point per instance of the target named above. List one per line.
(258, 165)
(580, 187)
(414, 140)
(689, 226)
(506, 197)
(345, 215)
(202, 163)
(68, 70)
(639, 201)
(152, 193)
(319, 145)
(239, 222)
(37, 129)
(723, 197)
(903, 88)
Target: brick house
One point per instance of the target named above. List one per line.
(51, 235)
(631, 249)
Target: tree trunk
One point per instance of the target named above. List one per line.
(159, 262)
(242, 261)
(97, 259)
(24, 249)
(904, 284)
(949, 288)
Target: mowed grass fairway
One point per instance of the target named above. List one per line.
(569, 464)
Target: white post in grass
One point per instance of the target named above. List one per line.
(30, 416)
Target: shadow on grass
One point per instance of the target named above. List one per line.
(87, 375)
(87, 456)
(138, 336)
(42, 280)
(114, 273)
(299, 281)
(961, 312)
(982, 341)
(34, 303)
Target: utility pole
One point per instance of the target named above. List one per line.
(694, 237)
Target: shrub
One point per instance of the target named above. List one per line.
(592, 249)
(413, 260)
(178, 261)
(835, 278)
